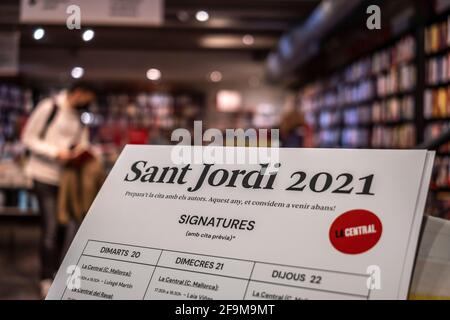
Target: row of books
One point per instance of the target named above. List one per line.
(384, 111)
(441, 173)
(355, 138)
(438, 70)
(142, 109)
(434, 130)
(357, 93)
(358, 116)
(401, 52)
(328, 138)
(393, 110)
(380, 136)
(396, 137)
(437, 103)
(398, 79)
(437, 36)
(15, 103)
(329, 118)
(12, 97)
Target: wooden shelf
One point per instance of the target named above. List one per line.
(439, 52)
(357, 126)
(14, 211)
(393, 123)
(16, 216)
(437, 119)
(15, 188)
(437, 85)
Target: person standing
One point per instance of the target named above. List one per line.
(52, 134)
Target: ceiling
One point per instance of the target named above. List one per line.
(184, 49)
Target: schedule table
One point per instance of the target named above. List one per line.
(107, 270)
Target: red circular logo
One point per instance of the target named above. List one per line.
(355, 231)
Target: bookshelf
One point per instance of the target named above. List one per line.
(368, 104)
(395, 96)
(437, 95)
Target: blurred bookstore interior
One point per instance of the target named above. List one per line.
(321, 72)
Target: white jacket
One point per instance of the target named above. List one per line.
(61, 134)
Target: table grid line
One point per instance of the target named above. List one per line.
(267, 282)
(154, 269)
(249, 279)
(238, 259)
(119, 260)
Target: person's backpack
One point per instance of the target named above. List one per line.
(44, 130)
(50, 119)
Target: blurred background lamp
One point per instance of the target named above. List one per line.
(153, 74)
(77, 72)
(248, 40)
(38, 34)
(228, 100)
(88, 35)
(202, 16)
(215, 76)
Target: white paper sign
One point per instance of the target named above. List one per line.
(328, 224)
(98, 12)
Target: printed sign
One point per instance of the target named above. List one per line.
(307, 224)
(98, 12)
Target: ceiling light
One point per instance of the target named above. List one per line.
(215, 76)
(88, 35)
(248, 40)
(77, 72)
(202, 16)
(38, 34)
(153, 74)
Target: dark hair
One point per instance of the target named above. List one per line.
(83, 86)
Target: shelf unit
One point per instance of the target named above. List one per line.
(436, 101)
(425, 116)
(370, 103)
(19, 203)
